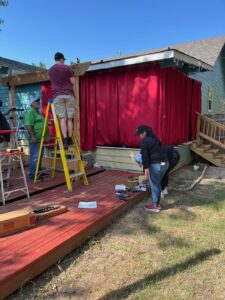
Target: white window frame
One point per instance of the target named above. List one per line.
(210, 100)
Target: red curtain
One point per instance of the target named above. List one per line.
(177, 97)
(107, 125)
(115, 102)
(139, 102)
(46, 95)
(88, 113)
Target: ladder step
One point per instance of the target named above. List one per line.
(66, 152)
(48, 145)
(73, 159)
(76, 175)
(6, 164)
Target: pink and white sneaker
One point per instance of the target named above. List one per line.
(153, 208)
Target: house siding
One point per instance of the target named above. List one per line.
(213, 81)
(4, 96)
(22, 95)
(24, 92)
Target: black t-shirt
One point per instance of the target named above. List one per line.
(152, 152)
(172, 153)
(4, 125)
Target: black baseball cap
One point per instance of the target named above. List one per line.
(141, 129)
(59, 56)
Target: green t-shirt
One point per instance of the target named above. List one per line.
(35, 119)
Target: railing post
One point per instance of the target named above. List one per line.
(198, 139)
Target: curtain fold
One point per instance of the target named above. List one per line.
(177, 97)
(46, 91)
(139, 102)
(107, 124)
(88, 113)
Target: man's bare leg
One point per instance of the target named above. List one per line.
(63, 127)
(70, 127)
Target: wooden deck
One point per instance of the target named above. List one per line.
(26, 254)
(47, 184)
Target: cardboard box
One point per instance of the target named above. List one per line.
(17, 220)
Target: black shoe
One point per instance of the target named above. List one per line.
(37, 180)
(66, 142)
(70, 141)
(43, 174)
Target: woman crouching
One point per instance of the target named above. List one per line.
(155, 164)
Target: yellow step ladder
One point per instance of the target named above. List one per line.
(58, 142)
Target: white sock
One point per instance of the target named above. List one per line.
(165, 192)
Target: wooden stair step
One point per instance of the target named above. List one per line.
(204, 153)
(210, 157)
(221, 156)
(196, 144)
(205, 147)
(213, 151)
(215, 161)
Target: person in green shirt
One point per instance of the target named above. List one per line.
(34, 122)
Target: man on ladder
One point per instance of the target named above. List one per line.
(62, 81)
(63, 107)
(59, 144)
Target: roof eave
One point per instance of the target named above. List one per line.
(192, 60)
(159, 56)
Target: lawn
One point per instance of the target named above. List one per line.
(176, 254)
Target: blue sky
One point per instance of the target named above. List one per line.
(91, 29)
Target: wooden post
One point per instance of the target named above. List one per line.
(12, 102)
(198, 129)
(76, 121)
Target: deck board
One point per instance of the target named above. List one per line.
(47, 184)
(26, 254)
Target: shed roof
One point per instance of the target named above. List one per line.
(206, 50)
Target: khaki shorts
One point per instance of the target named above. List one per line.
(65, 106)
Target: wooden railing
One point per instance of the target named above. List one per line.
(218, 117)
(210, 130)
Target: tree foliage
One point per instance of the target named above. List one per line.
(3, 3)
(40, 65)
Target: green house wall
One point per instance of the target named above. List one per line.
(4, 96)
(22, 95)
(213, 82)
(24, 92)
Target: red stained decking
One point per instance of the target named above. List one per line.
(48, 183)
(26, 254)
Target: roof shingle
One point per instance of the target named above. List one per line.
(206, 50)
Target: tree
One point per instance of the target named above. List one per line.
(39, 65)
(3, 3)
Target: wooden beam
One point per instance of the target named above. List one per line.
(76, 121)
(12, 102)
(81, 68)
(41, 76)
(27, 78)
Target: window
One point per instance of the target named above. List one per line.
(209, 100)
